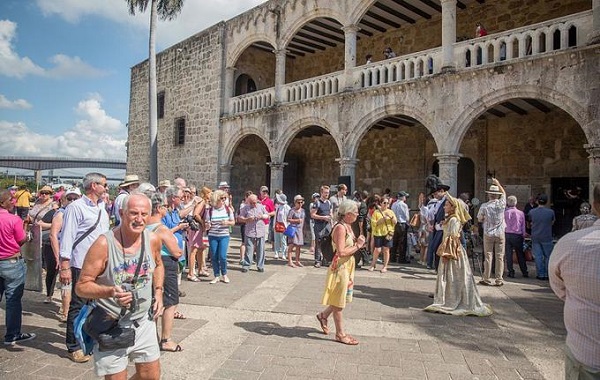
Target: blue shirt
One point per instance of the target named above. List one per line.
(78, 218)
(541, 224)
(171, 220)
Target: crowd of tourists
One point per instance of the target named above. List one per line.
(130, 254)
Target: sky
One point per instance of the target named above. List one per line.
(65, 65)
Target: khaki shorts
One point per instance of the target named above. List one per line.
(145, 350)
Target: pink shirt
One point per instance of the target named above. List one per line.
(11, 233)
(269, 206)
(515, 221)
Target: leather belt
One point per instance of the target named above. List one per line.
(15, 257)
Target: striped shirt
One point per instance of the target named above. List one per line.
(216, 217)
(574, 268)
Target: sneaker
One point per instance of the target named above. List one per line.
(214, 280)
(499, 283)
(225, 279)
(79, 357)
(244, 270)
(317, 265)
(485, 283)
(48, 300)
(261, 269)
(19, 338)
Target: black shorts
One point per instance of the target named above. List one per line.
(381, 241)
(243, 233)
(170, 287)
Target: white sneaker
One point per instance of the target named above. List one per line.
(225, 279)
(215, 280)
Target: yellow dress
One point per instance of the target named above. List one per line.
(339, 284)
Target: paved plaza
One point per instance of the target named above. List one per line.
(263, 326)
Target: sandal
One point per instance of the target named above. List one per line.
(178, 315)
(323, 322)
(193, 279)
(299, 264)
(383, 270)
(346, 339)
(162, 347)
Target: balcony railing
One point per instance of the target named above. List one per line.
(312, 88)
(531, 40)
(252, 101)
(398, 69)
(528, 41)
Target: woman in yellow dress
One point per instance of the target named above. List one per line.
(456, 292)
(340, 275)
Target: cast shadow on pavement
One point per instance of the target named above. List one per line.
(275, 329)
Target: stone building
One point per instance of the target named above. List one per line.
(282, 95)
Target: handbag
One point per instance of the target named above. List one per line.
(448, 248)
(326, 245)
(390, 234)
(415, 220)
(279, 227)
(85, 341)
(104, 327)
(290, 231)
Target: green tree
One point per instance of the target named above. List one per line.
(166, 10)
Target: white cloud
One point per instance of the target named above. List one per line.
(72, 67)
(14, 104)
(195, 16)
(12, 65)
(96, 135)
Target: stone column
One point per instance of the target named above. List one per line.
(229, 84)
(594, 37)
(276, 175)
(350, 32)
(279, 74)
(594, 175)
(225, 174)
(448, 34)
(448, 164)
(348, 167)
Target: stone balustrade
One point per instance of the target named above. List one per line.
(253, 101)
(531, 40)
(312, 88)
(398, 69)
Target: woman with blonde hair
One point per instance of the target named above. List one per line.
(383, 222)
(340, 274)
(455, 291)
(217, 221)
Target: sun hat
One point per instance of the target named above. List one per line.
(146, 187)
(223, 184)
(73, 190)
(130, 179)
(494, 189)
(47, 189)
(164, 183)
(298, 198)
(281, 198)
(264, 189)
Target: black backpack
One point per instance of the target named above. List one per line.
(327, 246)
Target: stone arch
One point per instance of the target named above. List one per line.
(463, 122)
(234, 141)
(364, 124)
(359, 11)
(293, 28)
(240, 47)
(290, 133)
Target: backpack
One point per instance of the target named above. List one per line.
(326, 245)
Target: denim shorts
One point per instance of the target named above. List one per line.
(381, 241)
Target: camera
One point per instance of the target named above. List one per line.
(189, 219)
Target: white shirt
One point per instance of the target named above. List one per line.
(79, 217)
(400, 208)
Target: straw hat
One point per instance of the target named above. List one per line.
(130, 179)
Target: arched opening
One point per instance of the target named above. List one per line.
(532, 147)
(249, 169)
(310, 158)
(255, 68)
(395, 153)
(244, 84)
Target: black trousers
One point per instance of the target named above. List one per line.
(515, 241)
(74, 309)
(51, 270)
(399, 246)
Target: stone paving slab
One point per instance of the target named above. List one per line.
(263, 326)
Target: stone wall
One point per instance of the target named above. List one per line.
(190, 75)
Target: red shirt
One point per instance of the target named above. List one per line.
(269, 206)
(11, 233)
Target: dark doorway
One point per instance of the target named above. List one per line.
(244, 85)
(567, 195)
(465, 181)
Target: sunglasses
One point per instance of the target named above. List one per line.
(45, 193)
(71, 199)
(223, 198)
(299, 201)
(385, 203)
